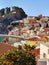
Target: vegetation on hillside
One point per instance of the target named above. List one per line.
(8, 15)
(8, 10)
(19, 56)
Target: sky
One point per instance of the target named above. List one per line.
(31, 7)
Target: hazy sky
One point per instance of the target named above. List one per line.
(31, 7)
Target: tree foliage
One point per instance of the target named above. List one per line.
(18, 57)
(8, 10)
(2, 12)
(10, 15)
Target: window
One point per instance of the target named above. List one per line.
(44, 55)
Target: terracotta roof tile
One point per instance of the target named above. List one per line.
(33, 39)
(5, 47)
(35, 51)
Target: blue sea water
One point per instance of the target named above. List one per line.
(1, 38)
(11, 40)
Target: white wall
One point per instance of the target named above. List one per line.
(47, 62)
(43, 49)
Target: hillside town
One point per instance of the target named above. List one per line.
(35, 28)
(33, 31)
(24, 40)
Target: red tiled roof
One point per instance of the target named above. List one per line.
(33, 39)
(35, 51)
(5, 47)
(45, 29)
(41, 35)
(31, 21)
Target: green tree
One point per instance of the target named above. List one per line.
(2, 11)
(14, 8)
(18, 57)
(8, 10)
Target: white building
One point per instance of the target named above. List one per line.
(43, 58)
(44, 51)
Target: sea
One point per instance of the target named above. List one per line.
(2, 38)
(11, 40)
